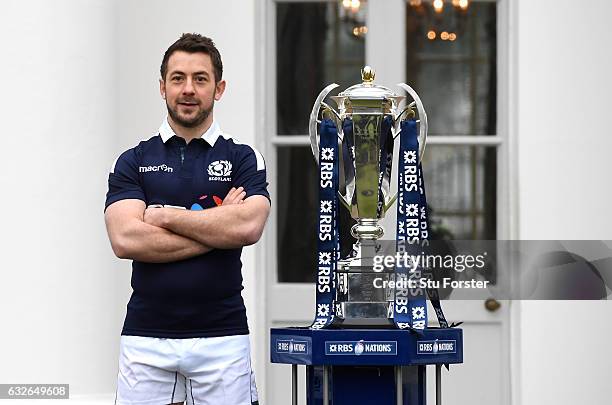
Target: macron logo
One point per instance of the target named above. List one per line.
(160, 168)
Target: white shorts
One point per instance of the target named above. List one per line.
(202, 371)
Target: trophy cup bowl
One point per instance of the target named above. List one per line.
(368, 121)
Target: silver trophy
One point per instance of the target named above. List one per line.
(364, 188)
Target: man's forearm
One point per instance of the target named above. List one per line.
(224, 227)
(148, 243)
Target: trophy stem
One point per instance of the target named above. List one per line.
(367, 229)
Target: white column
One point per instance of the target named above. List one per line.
(386, 53)
(57, 282)
(564, 166)
(386, 22)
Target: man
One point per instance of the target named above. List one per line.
(181, 205)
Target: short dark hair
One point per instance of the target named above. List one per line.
(193, 43)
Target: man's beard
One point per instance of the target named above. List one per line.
(193, 122)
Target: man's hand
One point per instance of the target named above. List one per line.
(235, 196)
(156, 216)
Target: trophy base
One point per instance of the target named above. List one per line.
(360, 323)
(364, 365)
(363, 314)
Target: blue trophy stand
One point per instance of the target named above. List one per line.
(366, 366)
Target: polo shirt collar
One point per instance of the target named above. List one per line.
(210, 136)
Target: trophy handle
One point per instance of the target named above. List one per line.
(390, 202)
(399, 116)
(313, 127)
(422, 118)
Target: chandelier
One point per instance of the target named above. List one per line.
(353, 12)
(445, 19)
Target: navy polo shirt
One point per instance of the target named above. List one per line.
(200, 296)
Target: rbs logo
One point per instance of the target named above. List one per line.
(361, 347)
(436, 346)
(292, 346)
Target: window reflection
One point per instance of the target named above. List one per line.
(461, 191)
(297, 177)
(456, 79)
(315, 46)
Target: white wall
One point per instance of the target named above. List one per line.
(57, 279)
(565, 60)
(564, 86)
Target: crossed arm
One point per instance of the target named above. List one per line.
(160, 235)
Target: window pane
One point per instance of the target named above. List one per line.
(315, 46)
(456, 79)
(298, 195)
(461, 191)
